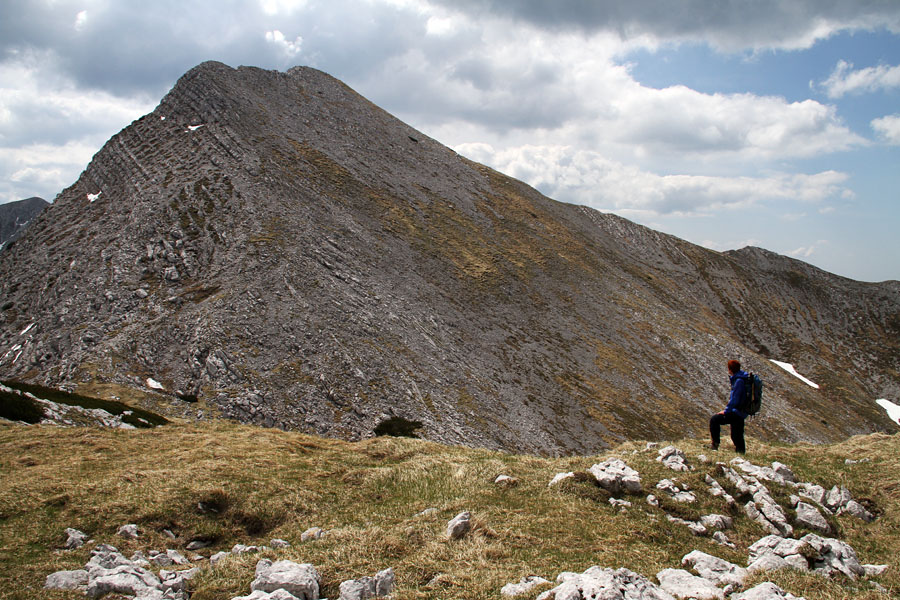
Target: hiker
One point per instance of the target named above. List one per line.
(731, 415)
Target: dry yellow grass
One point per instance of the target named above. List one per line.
(366, 495)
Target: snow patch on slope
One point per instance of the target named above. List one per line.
(790, 369)
(892, 409)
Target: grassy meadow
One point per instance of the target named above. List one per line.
(257, 484)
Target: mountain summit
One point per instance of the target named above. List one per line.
(273, 247)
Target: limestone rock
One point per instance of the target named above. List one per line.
(364, 588)
(837, 498)
(506, 481)
(616, 477)
(608, 584)
(75, 539)
(682, 584)
(808, 516)
(874, 570)
(712, 568)
(854, 508)
(313, 533)
(559, 477)
(768, 562)
(834, 556)
(279, 543)
(123, 579)
(722, 539)
(301, 580)
(717, 522)
(459, 525)
(66, 580)
(679, 495)
(784, 471)
(674, 459)
(525, 585)
(765, 591)
(129, 532)
(275, 595)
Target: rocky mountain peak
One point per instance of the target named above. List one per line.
(272, 247)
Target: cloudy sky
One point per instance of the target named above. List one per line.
(767, 123)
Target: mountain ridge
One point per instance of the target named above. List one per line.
(274, 248)
(15, 217)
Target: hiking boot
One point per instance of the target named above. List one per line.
(713, 446)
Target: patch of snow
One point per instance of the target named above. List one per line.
(194, 127)
(92, 197)
(27, 329)
(790, 369)
(892, 409)
(163, 118)
(154, 384)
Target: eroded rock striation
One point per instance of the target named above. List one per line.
(276, 248)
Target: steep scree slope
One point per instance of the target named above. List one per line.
(281, 250)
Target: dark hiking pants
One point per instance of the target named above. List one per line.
(737, 429)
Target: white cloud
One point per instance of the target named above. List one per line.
(807, 251)
(584, 177)
(81, 20)
(286, 46)
(49, 128)
(888, 128)
(845, 80)
(733, 26)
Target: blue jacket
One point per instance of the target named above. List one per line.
(738, 386)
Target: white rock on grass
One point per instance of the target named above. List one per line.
(857, 510)
(716, 522)
(874, 570)
(279, 543)
(768, 562)
(313, 533)
(722, 539)
(75, 539)
(682, 584)
(808, 516)
(129, 532)
(364, 588)
(459, 525)
(715, 569)
(506, 481)
(560, 477)
(261, 595)
(301, 580)
(674, 459)
(765, 591)
(525, 585)
(616, 477)
(123, 579)
(608, 584)
(678, 495)
(66, 580)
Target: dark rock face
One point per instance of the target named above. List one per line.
(15, 217)
(274, 248)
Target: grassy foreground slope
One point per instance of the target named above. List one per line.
(256, 484)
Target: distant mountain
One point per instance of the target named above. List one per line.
(274, 248)
(15, 216)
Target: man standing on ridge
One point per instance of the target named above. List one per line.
(732, 414)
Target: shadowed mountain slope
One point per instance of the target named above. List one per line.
(273, 247)
(15, 216)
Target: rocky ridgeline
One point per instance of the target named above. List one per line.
(702, 576)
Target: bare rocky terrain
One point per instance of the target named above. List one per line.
(15, 217)
(274, 248)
